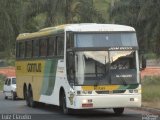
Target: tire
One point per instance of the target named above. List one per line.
(63, 106)
(5, 97)
(13, 95)
(118, 111)
(32, 103)
(26, 97)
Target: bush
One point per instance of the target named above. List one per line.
(150, 89)
(151, 55)
(2, 77)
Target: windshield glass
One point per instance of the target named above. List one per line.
(105, 67)
(121, 39)
(13, 80)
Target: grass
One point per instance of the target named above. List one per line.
(1, 82)
(151, 89)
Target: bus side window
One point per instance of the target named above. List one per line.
(60, 45)
(43, 47)
(21, 49)
(35, 48)
(51, 46)
(28, 49)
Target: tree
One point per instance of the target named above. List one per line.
(141, 15)
(9, 24)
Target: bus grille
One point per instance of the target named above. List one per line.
(110, 92)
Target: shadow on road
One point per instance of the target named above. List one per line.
(88, 114)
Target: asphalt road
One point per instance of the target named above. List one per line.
(49, 112)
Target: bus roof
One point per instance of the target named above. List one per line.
(83, 27)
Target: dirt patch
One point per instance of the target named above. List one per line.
(150, 71)
(151, 104)
(8, 71)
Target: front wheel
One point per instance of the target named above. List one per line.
(63, 104)
(118, 111)
(5, 97)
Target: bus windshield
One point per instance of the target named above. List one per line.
(105, 67)
(121, 39)
(13, 80)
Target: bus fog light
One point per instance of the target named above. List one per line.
(85, 101)
(136, 99)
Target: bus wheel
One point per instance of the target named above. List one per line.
(63, 104)
(26, 97)
(5, 97)
(32, 103)
(118, 111)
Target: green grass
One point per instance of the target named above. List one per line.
(1, 82)
(151, 89)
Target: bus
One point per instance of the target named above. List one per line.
(79, 66)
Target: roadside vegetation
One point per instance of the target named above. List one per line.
(150, 89)
(1, 82)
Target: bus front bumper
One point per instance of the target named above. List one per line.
(107, 101)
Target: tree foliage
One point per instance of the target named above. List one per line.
(142, 15)
(9, 24)
(19, 16)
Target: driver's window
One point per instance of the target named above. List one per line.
(9, 82)
(70, 66)
(6, 81)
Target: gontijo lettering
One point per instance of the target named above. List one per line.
(34, 67)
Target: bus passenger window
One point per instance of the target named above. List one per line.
(43, 48)
(35, 48)
(28, 49)
(51, 46)
(21, 49)
(60, 46)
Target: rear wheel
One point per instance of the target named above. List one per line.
(32, 103)
(26, 97)
(118, 111)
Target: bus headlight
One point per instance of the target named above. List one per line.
(83, 92)
(85, 101)
(134, 91)
(136, 99)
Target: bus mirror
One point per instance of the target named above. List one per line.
(144, 63)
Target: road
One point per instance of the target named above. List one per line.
(48, 112)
